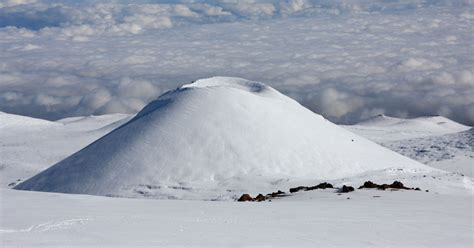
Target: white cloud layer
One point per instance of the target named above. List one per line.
(345, 59)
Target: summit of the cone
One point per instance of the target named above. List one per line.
(230, 82)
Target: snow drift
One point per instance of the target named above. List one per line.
(216, 138)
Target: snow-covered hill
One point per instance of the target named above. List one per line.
(214, 139)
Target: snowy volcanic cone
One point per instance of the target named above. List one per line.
(215, 138)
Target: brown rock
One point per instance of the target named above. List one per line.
(346, 189)
(277, 194)
(394, 185)
(369, 185)
(324, 185)
(383, 186)
(260, 198)
(294, 190)
(245, 197)
(397, 185)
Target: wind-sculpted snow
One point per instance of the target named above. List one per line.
(214, 139)
(347, 60)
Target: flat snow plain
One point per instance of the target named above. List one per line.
(442, 217)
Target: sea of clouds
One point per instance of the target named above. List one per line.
(347, 60)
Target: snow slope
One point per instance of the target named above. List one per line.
(29, 145)
(214, 139)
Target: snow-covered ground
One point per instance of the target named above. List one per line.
(435, 141)
(441, 217)
(369, 218)
(450, 152)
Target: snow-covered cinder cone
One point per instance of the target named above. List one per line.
(213, 138)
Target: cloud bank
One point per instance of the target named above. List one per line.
(347, 60)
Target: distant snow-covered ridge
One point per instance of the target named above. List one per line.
(18, 121)
(385, 128)
(432, 140)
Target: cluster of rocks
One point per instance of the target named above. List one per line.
(260, 197)
(325, 185)
(394, 185)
